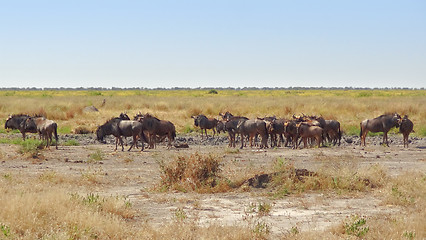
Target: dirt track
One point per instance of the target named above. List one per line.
(133, 174)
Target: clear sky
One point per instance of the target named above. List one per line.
(200, 43)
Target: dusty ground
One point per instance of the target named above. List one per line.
(134, 174)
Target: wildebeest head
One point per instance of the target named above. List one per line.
(196, 120)
(124, 116)
(6, 124)
(100, 134)
(396, 119)
(29, 124)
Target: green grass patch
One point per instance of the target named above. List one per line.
(421, 131)
(71, 142)
(96, 156)
(64, 130)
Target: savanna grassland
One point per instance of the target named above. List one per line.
(349, 107)
(85, 190)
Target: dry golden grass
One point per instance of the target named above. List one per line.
(45, 211)
(349, 107)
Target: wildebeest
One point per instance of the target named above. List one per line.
(205, 123)
(291, 132)
(231, 127)
(251, 128)
(305, 131)
(406, 127)
(276, 129)
(220, 127)
(18, 122)
(382, 123)
(166, 129)
(118, 127)
(226, 116)
(155, 127)
(45, 127)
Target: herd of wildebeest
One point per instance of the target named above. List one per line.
(289, 132)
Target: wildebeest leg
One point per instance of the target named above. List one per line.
(242, 141)
(134, 142)
(363, 136)
(385, 138)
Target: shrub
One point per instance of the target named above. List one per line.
(193, 173)
(82, 130)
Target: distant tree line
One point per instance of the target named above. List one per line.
(202, 88)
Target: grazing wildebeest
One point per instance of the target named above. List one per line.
(220, 127)
(231, 127)
(118, 127)
(18, 122)
(251, 128)
(45, 127)
(205, 123)
(406, 127)
(382, 123)
(305, 131)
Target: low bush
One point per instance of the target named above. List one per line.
(196, 172)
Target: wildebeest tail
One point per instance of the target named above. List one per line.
(55, 131)
(173, 135)
(360, 127)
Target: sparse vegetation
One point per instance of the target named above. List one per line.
(196, 172)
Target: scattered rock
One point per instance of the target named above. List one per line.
(90, 109)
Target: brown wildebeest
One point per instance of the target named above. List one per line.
(220, 127)
(382, 123)
(155, 127)
(166, 129)
(231, 127)
(291, 132)
(226, 116)
(251, 128)
(306, 131)
(118, 128)
(276, 128)
(205, 123)
(18, 122)
(45, 127)
(406, 127)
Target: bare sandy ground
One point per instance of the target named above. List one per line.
(134, 174)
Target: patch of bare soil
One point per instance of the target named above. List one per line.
(134, 174)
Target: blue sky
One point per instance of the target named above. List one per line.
(212, 43)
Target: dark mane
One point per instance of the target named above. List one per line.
(19, 115)
(112, 119)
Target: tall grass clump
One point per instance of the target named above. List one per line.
(196, 172)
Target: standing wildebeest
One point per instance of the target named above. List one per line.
(276, 128)
(45, 127)
(405, 127)
(226, 116)
(305, 131)
(18, 122)
(291, 132)
(231, 127)
(166, 129)
(118, 127)
(251, 128)
(155, 127)
(382, 123)
(205, 123)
